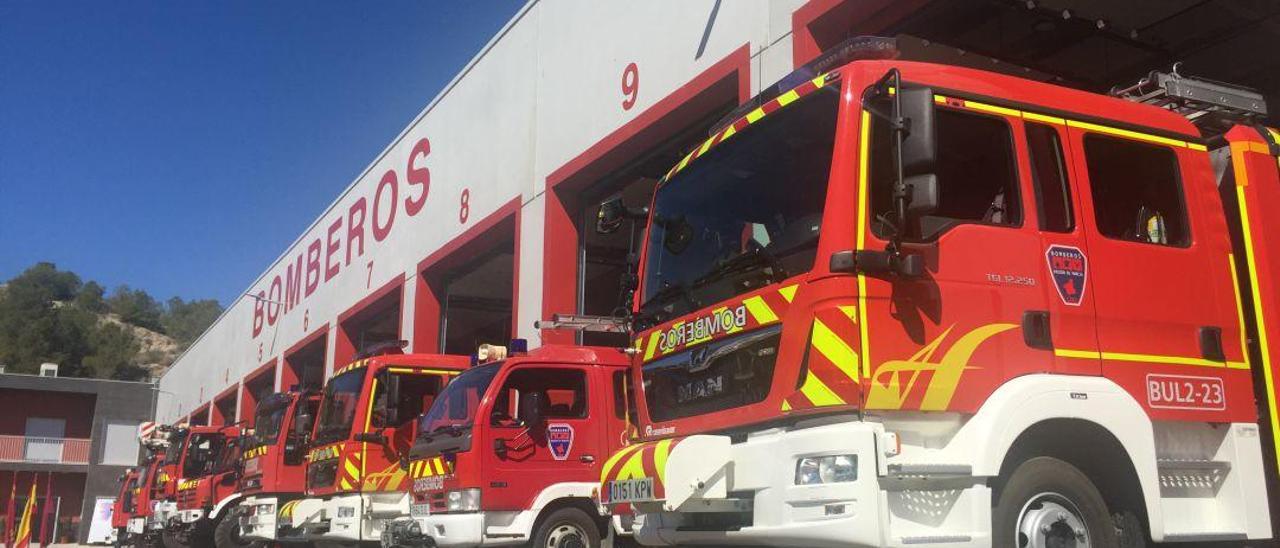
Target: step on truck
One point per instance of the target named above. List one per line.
(274, 464)
(357, 465)
(511, 452)
(208, 472)
(894, 303)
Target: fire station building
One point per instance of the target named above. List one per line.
(478, 218)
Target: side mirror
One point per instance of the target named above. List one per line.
(610, 215)
(532, 409)
(922, 195)
(920, 143)
(302, 424)
(392, 408)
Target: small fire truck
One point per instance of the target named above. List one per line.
(156, 440)
(357, 467)
(123, 508)
(274, 462)
(207, 473)
(892, 303)
(512, 450)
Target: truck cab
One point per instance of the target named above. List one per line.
(163, 485)
(275, 460)
(512, 450)
(208, 474)
(356, 469)
(888, 301)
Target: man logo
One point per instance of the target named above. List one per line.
(559, 440)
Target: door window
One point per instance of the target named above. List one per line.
(564, 392)
(975, 170)
(1049, 173)
(417, 392)
(1137, 194)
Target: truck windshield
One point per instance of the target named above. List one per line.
(338, 409)
(267, 422)
(202, 453)
(455, 408)
(745, 214)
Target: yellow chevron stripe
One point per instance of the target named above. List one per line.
(346, 485)
(660, 453)
(614, 458)
(653, 344)
(755, 115)
(788, 292)
(439, 466)
(351, 468)
(835, 349)
(728, 132)
(760, 310)
(786, 98)
(818, 392)
(786, 406)
(634, 467)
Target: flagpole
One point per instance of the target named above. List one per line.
(8, 515)
(48, 507)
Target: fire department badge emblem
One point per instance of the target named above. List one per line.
(559, 440)
(1069, 269)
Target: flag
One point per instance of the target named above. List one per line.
(46, 527)
(23, 537)
(8, 515)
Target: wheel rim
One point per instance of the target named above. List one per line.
(566, 535)
(1050, 520)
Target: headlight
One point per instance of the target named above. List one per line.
(830, 469)
(346, 511)
(464, 500)
(414, 528)
(266, 508)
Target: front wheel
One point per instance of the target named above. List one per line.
(567, 528)
(227, 533)
(1048, 503)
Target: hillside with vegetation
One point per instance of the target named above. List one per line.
(53, 316)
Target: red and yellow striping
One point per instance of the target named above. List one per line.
(434, 466)
(752, 117)
(758, 309)
(831, 361)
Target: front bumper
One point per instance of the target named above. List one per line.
(354, 517)
(257, 517)
(750, 496)
(161, 514)
(190, 516)
(450, 530)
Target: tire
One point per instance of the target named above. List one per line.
(1048, 502)
(227, 533)
(567, 528)
(171, 539)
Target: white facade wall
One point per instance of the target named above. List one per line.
(544, 90)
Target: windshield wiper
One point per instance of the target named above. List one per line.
(649, 310)
(751, 259)
(454, 430)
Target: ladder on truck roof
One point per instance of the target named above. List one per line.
(1210, 105)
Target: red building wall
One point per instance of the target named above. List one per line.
(75, 409)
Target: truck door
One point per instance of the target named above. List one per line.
(976, 317)
(416, 388)
(525, 458)
(1160, 265)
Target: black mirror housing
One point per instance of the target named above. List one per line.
(610, 215)
(922, 195)
(920, 143)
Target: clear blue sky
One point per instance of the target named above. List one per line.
(179, 146)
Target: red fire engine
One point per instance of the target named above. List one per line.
(151, 482)
(356, 467)
(511, 452)
(898, 303)
(207, 472)
(274, 463)
(122, 509)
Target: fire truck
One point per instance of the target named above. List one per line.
(511, 452)
(122, 509)
(892, 302)
(274, 464)
(156, 440)
(206, 472)
(357, 464)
